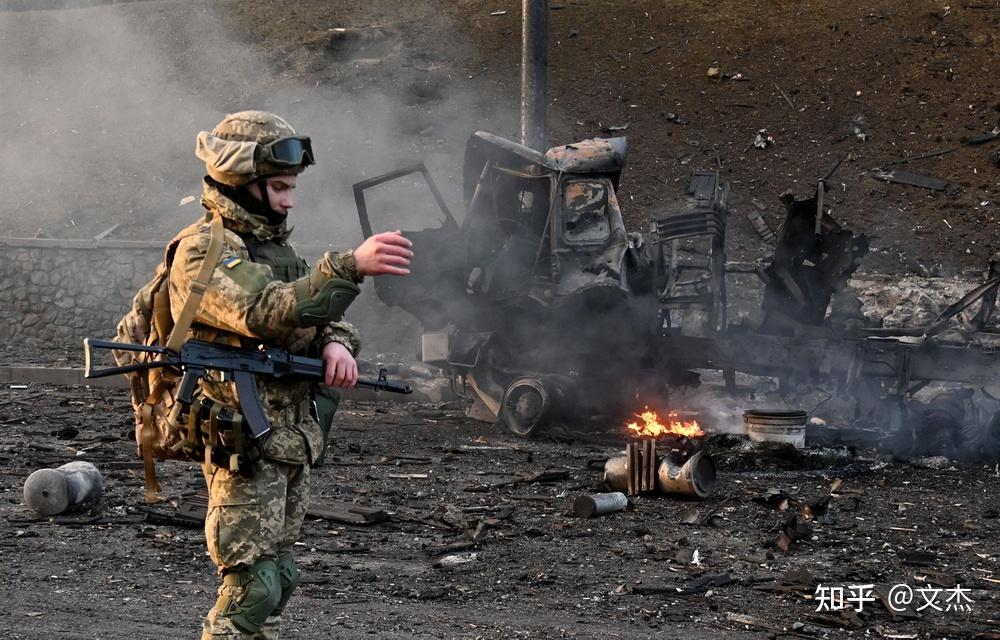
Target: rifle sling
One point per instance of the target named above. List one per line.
(198, 287)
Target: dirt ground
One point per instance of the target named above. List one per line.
(536, 571)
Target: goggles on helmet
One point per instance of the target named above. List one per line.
(288, 152)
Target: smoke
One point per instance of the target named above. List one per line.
(103, 105)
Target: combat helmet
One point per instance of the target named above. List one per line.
(250, 145)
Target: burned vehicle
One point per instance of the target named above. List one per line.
(544, 307)
(540, 289)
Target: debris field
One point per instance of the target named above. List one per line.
(463, 530)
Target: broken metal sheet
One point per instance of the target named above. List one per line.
(597, 155)
(912, 179)
(346, 513)
(983, 138)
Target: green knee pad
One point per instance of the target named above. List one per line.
(259, 592)
(327, 305)
(288, 574)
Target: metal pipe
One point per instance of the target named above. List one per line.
(534, 72)
(598, 504)
(694, 476)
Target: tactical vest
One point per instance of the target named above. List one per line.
(287, 266)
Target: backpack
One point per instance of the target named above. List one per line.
(158, 431)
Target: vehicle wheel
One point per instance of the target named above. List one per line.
(525, 405)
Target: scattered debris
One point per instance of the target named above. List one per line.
(670, 116)
(983, 138)
(932, 154)
(859, 127)
(677, 472)
(760, 226)
(550, 475)
(912, 179)
(107, 232)
(689, 515)
(937, 463)
(773, 497)
(346, 512)
(792, 529)
(53, 491)
(784, 95)
(762, 140)
(599, 504)
(499, 12)
(456, 560)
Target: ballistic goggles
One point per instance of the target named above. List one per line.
(288, 152)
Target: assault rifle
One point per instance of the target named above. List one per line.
(240, 365)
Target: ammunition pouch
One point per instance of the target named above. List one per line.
(248, 596)
(219, 436)
(322, 300)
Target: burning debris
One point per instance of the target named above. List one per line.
(684, 469)
(653, 428)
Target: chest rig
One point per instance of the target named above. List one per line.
(285, 264)
(215, 431)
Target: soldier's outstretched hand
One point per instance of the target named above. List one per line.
(387, 253)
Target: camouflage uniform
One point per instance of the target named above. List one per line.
(254, 519)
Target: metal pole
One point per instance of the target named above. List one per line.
(534, 71)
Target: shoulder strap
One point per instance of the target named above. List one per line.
(198, 287)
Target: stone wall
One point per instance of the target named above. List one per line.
(57, 292)
(62, 290)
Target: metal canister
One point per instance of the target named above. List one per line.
(52, 491)
(598, 504)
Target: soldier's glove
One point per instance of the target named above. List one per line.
(322, 297)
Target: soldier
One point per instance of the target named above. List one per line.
(261, 292)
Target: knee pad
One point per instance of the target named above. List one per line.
(288, 576)
(251, 596)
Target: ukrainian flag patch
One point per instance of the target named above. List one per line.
(231, 262)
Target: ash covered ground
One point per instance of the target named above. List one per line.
(536, 570)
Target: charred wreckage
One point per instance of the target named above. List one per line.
(544, 308)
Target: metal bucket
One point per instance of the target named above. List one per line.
(777, 426)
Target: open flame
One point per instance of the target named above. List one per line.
(674, 425)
